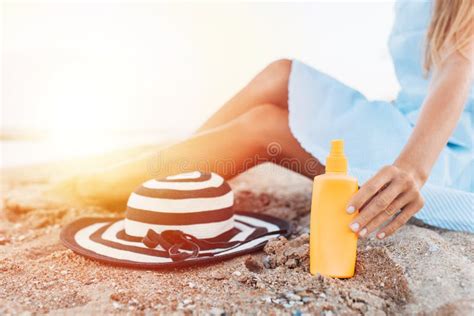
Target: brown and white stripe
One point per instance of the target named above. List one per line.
(196, 203)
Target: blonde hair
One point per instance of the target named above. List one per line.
(450, 30)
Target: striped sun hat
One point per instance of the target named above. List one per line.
(180, 220)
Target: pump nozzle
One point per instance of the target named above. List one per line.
(337, 147)
(336, 161)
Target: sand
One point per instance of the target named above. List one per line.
(420, 270)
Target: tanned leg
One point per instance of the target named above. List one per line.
(260, 135)
(270, 86)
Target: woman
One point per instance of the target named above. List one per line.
(425, 136)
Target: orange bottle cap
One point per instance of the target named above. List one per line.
(336, 161)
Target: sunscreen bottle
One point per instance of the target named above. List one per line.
(333, 246)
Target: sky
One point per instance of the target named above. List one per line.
(90, 68)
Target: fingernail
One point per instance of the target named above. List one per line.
(381, 235)
(363, 232)
(351, 209)
(354, 227)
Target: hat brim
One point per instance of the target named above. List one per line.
(103, 239)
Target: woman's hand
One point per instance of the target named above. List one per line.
(390, 190)
(397, 187)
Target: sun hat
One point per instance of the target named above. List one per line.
(180, 220)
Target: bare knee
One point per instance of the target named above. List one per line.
(263, 123)
(274, 80)
(279, 67)
(278, 71)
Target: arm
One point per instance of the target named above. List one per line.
(397, 187)
(441, 111)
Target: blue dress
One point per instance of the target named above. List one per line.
(322, 108)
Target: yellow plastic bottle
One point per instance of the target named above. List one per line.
(333, 246)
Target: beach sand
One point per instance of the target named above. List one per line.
(420, 270)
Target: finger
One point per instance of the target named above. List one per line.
(400, 219)
(377, 205)
(401, 201)
(369, 189)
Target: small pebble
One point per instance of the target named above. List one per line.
(433, 248)
(218, 276)
(243, 278)
(297, 298)
(237, 273)
(253, 265)
(291, 263)
(4, 240)
(217, 311)
(293, 296)
(267, 263)
(266, 299)
(191, 285)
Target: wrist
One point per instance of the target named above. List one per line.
(419, 174)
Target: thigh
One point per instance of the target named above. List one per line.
(270, 86)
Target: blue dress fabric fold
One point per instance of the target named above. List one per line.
(322, 108)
